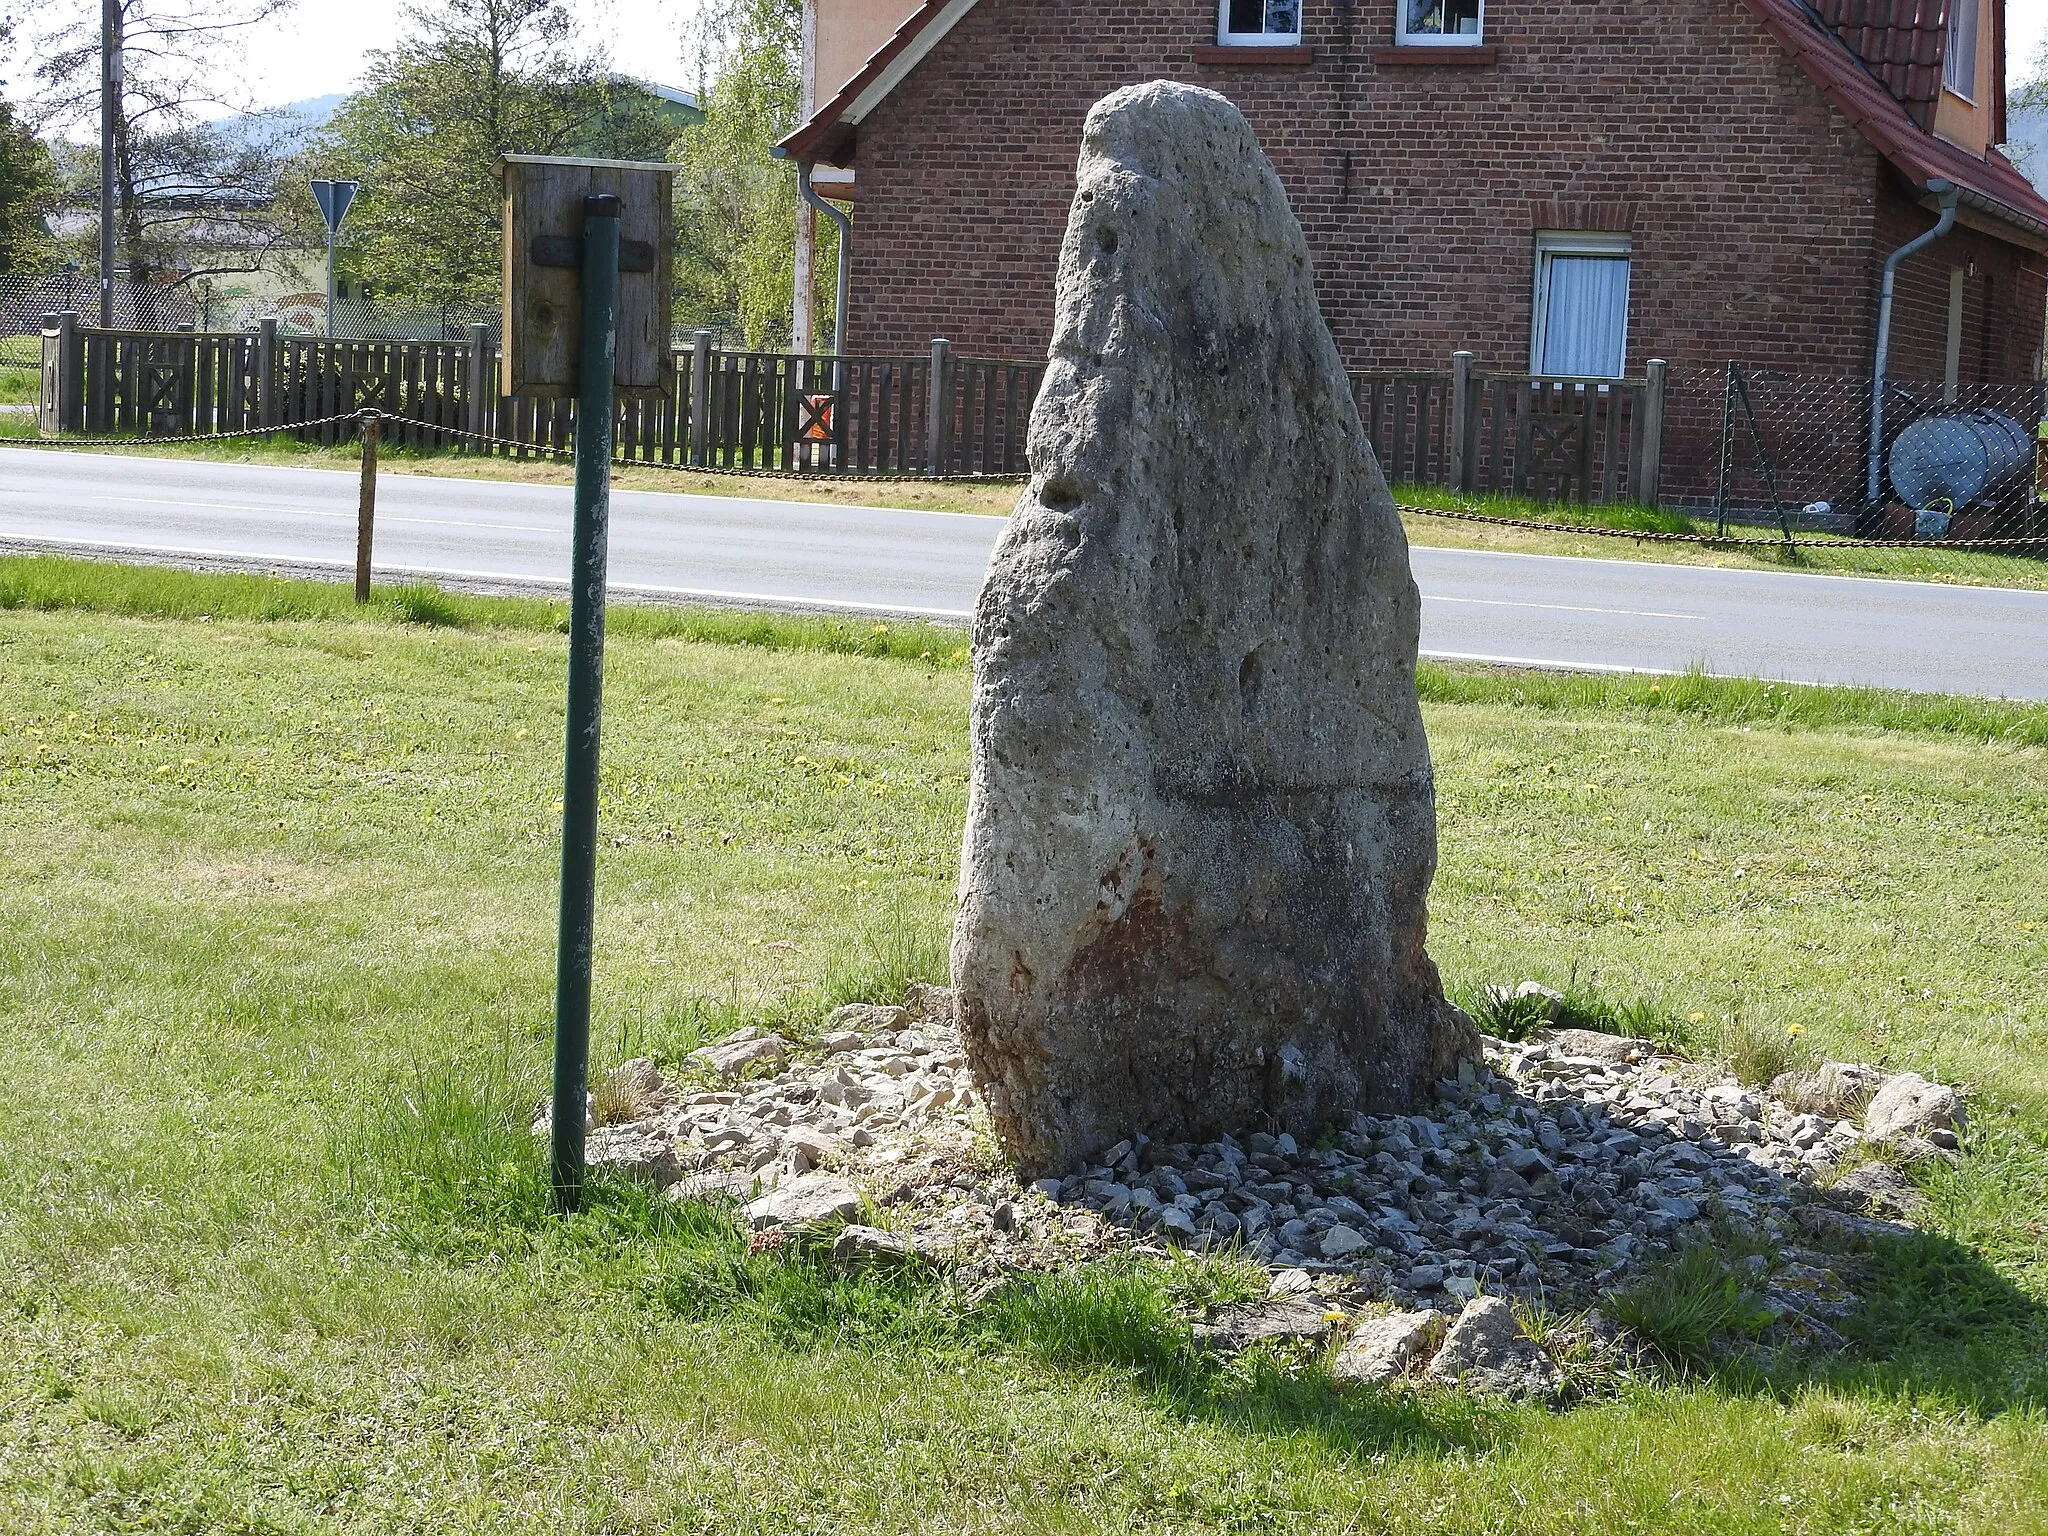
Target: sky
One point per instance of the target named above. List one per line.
(319, 47)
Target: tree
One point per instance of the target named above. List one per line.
(26, 185)
(736, 205)
(184, 187)
(475, 79)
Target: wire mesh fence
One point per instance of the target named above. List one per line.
(1759, 446)
(25, 297)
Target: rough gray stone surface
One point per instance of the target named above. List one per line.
(1382, 1349)
(1267, 1322)
(1200, 827)
(1486, 1351)
(811, 1200)
(1909, 1105)
(634, 1152)
(1876, 1189)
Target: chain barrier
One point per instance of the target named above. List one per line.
(188, 437)
(1533, 525)
(1660, 537)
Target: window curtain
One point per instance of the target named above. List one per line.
(1585, 316)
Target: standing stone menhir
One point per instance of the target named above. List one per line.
(1200, 830)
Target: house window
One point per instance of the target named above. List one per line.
(1439, 22)
(1959, 53)
(1580, 327)
(1259, 23)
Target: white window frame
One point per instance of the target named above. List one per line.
(1959, 49)
(1575, 242)
(1229, 39)
(1403, 38)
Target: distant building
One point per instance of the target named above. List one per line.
(1557, 188)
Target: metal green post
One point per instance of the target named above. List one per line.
(586, 678)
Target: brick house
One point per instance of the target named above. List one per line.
(1555, 187)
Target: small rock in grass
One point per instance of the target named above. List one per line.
(1839, 1229)
(707, 1188)
(929, 1004)
(1384, 1348)
(811, 1200)
(1591, 1045)
(633, 1152)
(1486, 1351)
(876, 1247)
(865, 1018)
(1288, 1282)
(736, 1052)
(1909, 1105)
(1876, 1189)
(1266, 1322)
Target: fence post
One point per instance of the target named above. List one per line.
(938, 408)
(63, 375)
(1650, 434)
(700, 399)
(478, 384)
(266, 371)
(1461, 421)
(366, 504)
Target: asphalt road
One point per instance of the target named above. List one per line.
(1528, 609)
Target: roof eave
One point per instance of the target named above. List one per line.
(829, 133)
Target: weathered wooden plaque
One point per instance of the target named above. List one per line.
(543, 289)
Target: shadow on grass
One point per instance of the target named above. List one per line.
(447, 1167)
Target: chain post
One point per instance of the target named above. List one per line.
(366, 501)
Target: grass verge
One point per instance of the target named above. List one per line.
(276, 925)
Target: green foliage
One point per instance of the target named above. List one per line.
(473, 80)
(1498, 1012)
(26, 185)
(1700, 1302)
(1629, 515)
(1738, 701)
(1758, 1052)
(57, 582)
(736, 206)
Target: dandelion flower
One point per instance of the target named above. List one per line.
(1795, 1030)
(1697, 1018)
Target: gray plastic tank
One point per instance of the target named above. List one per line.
(1958, 458)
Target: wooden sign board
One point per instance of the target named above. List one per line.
(543, 281)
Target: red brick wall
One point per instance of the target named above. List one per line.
(2004, 289)
(1753, 206)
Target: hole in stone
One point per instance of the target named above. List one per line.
(1106, 238)
(1060, 495)
(1251, 678)
(1087, 197)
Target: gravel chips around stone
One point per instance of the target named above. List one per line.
(1554, 1171)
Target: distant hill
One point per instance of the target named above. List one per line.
(295, 118)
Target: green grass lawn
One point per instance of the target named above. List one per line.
(276, 958)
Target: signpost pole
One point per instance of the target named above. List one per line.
(586, 675)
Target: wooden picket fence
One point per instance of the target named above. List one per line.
(1549, 439)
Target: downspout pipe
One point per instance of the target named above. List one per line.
(1946, 194)
(810, 195)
